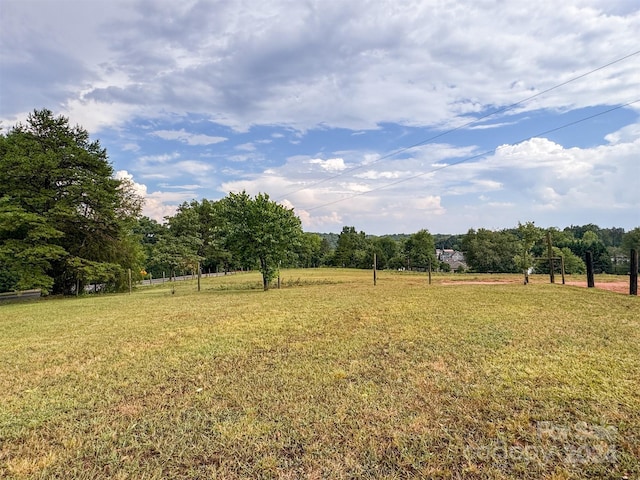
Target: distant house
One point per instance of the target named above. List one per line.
(454, 258)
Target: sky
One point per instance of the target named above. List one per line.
(389, 116)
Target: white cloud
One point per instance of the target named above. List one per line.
(247, 147)
(319, 223)
(329, 77)
(161, 158)
(332, 165)
(180, 187)
(349, 64)
(159, 204)
(193, 167)
(374, 175)
(171, 166)
(131, 147)
(94, 115)
(430, 203)
(487, 126)
(626, 134)
(547, 176)
(188, 138)
(139, 188)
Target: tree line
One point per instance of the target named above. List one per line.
(509, 250)
(197, 235)
(66, 222)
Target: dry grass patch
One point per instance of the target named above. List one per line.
(329, 378)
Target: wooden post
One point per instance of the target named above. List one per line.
(550, 255)
(633, 272)
(130, 287)
(429, 272)
(590, 281)
(199, 276)
(375, 269)
(163, 278)
(562, 267)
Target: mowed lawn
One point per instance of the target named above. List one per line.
(328, 377)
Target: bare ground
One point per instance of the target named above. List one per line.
(617, 287)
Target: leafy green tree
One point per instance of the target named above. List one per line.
(578, 231)
(149, 232)
(54, 179)
(559, 238)
(528, 234)
(177, 254)
(420, 250)
(486, 251)
(580, 239)
(445, 242)
(204, 221)
(311, 250)
(386, 249)
(325, 252)
(572, 263)
(260, 230)
(591, 243)
(26, 251)
(353, 250)
(445, 267)
(631, 240)
(611, 237)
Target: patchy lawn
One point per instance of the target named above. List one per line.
(329, 377)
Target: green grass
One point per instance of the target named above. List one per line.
(329, 377)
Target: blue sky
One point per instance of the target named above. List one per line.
(360, 113)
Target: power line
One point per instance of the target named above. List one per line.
(467, 159)
(467, 124)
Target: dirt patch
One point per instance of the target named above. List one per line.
(618, 287)
(481, 282)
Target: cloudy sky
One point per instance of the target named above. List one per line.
(390, 116)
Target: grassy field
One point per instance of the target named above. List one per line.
(328, 377)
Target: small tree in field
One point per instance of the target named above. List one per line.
(420, 249)
(261, 231)
(529, 234)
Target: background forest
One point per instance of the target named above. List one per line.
(66, 222)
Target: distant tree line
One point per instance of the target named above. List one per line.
(66, 223)
(501, 251)
(236, 232)
(504, 251)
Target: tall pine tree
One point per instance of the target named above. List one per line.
(64, 219)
